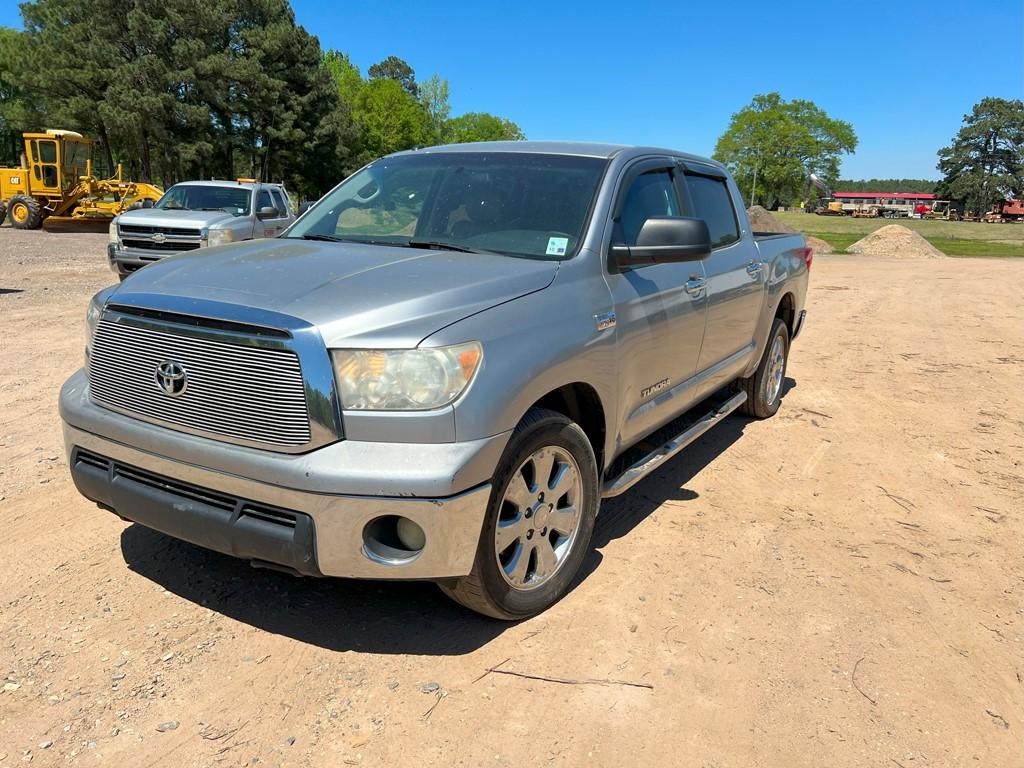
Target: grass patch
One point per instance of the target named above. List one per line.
(953, 238)
(952, 246)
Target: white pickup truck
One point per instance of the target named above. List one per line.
(197, 214)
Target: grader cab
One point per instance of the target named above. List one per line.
(56, 179)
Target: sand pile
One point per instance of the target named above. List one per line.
(762, 221)
(896, 241)
(819, 245)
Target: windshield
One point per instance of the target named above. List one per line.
(203, 197)
(515, 203)
(76, 155)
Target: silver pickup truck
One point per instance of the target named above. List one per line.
(197, 214)
(441, 369)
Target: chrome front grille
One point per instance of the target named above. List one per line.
(239, 392)
(160, 239)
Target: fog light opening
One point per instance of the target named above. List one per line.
(393, 540)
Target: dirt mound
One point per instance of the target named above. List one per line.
(819, 245)
(898, 242)
(762, 221)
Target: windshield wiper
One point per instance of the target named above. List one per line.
(438, 245)
(336, 239)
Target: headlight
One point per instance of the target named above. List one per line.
(219, 236)
(112, 230)
(92, 317)
(406, 379)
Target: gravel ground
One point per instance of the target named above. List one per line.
(840, 585)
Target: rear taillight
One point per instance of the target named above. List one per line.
(808, 255)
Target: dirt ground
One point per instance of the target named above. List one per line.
(841, 585)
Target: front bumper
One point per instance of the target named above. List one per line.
(126, 260)
(233, 499)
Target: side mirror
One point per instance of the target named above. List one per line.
(268, 212)
(665, 239)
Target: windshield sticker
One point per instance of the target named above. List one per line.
(557, 246)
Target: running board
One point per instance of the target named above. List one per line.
(659, 456)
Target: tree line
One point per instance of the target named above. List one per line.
(923, 186)
(177, 90)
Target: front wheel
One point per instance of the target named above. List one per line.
(25, 212)
(764, 388)
(539, 521)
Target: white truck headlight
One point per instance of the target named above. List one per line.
(112, 230)
(219, 236)
(404, 379)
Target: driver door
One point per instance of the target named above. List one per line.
(45, 173)
(660, 308)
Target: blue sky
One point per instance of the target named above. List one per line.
(671, 74)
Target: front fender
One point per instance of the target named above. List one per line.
(534, 345)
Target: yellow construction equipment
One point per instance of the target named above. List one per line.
(829, 208)
(56, 179)
(942, 209)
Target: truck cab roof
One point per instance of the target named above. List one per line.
(576, 148)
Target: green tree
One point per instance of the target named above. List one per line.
(345, 75)
(782, 142)
(434, 100)
(482, 126)
(985, 163)
(389, 119)
(180, 89)
(394, 68)
(17, 113)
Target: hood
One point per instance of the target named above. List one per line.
(357, 295)
(162, 217)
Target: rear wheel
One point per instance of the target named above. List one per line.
(764, 388)
(3, 213)
(25, 212)
(539, 521)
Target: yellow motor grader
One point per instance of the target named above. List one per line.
(56, 179)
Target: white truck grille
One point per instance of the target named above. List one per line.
(239, 392)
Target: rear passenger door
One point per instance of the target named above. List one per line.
(735, 275)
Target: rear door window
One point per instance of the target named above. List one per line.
(713, 203)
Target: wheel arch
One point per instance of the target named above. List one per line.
(786, 311)
(580, 402)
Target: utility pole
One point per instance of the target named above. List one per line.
(753, 186)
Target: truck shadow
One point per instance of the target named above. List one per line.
(622, 514)
(382, 617)
(393, 617)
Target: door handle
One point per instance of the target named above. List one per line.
(695, 285)
(754, 267)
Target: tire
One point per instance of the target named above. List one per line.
(3, 213)
(764, 388)
(26, 212)
(532, 537)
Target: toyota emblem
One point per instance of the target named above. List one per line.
(159, 237)
(171, 377)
